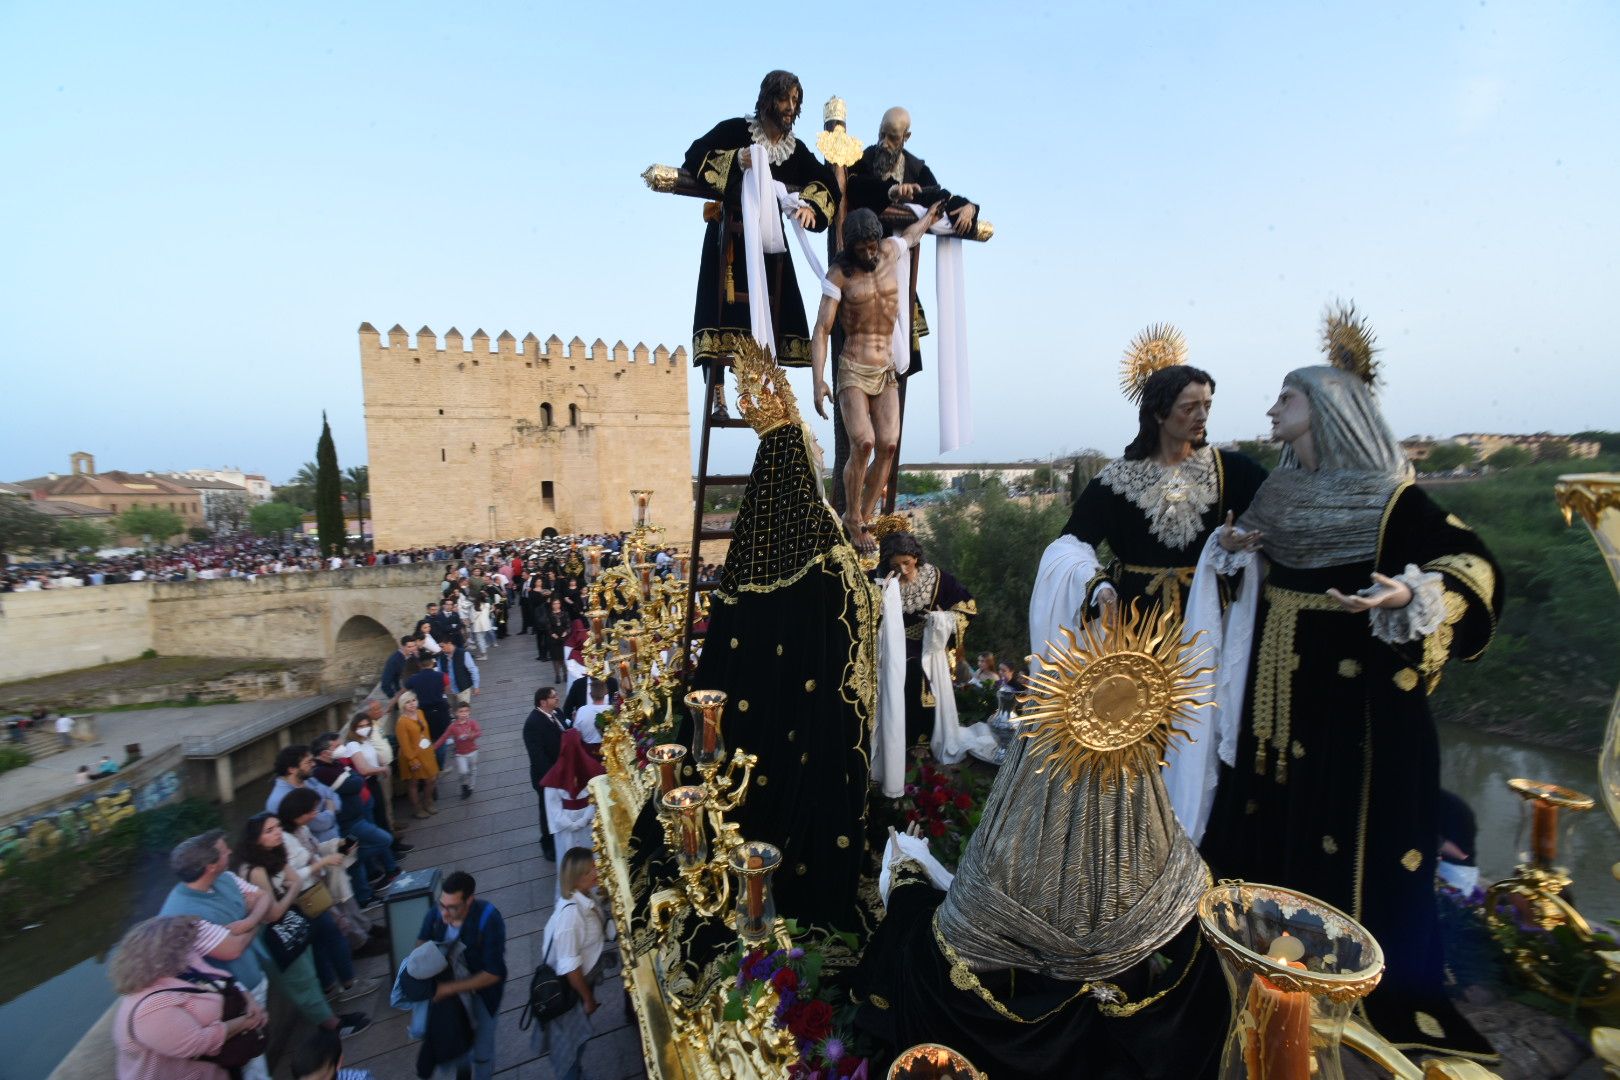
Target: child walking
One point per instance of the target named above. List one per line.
(464, 733)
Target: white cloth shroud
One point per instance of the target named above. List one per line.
(889, 733)
(763, 200)
(1192, 768)
(951, 741)
(1067, 566)
(950, 292)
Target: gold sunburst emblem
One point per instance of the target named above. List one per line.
(1158, 347)
(1349, 342)
(1113, 697)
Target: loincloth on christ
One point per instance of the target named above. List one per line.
(869, 379)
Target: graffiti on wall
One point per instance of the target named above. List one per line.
(70, 826)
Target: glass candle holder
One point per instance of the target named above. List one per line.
(752, 864)
(1296, 968)
(640, 498)
(684, 807)
(593, 558)
(598, 618)
(706, 708)
(668, 757)
(931, 1061)
(1545, 801)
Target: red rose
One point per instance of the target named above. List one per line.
(784, 980)
(936, 828)
(848, 1064)
(810, 1020)
(964, 801)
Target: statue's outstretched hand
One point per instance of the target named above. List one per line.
(933, 214)
(1384, 592)
(1233, 538)
(823, 394)
(902, 192)
(805, 216)
(965, 218)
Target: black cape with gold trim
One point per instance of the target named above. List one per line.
(1348, 812)
(1144, 566)
(720, 317)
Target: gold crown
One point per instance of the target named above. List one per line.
(1158, 347)
(1349, 342)
(763, 394)
(888, 524)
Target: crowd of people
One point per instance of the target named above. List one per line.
(298, 898)
(244, 555)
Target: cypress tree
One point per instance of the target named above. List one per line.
(330, 530)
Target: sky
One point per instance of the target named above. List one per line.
(200, 203)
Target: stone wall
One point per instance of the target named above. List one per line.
(348, 618)
(510, 439)
(68, 629)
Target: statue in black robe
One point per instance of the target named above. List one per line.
(720, 321)
(1154, 517)
(886, 175)
(1329, 779)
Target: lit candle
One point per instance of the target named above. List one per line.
(1543, 831)
(689, 834)
(646, 578)
(756, 890)
(1277, 1040)
(711, 731)
(666, 777)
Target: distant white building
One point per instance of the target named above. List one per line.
(257, 487)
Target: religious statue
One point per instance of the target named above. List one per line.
(1154, 506)
(792, 642)
(1326, 661)
(729, 307)
(862, 292)
(926, 614)
(1066, 944)
(888, 175)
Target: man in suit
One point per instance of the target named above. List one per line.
(542, 738)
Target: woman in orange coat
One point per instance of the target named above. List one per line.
(418, 766)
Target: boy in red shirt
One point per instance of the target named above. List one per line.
(464, 732)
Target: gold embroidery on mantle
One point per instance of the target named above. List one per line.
(1412, 860)
(716, 168)
(1437, 646)
(1274, 675)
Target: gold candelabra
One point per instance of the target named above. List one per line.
(636, 623)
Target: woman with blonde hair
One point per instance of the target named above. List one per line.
(579, 944)
(418, 766)
(171, 1022)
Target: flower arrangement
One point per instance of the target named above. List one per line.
(805, 1007)
(945, 805)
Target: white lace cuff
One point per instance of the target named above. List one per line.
(1228, 562)
(1418, 619)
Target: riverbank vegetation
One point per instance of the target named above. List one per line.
(1548, 676)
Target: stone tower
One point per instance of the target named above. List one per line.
(507, 438)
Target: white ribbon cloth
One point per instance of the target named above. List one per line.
(950, 291)
(951, 741)
(889, 733)
(1067, 566)
(1191, 768)
(763, 200)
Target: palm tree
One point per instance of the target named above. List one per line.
(306, 476)
(357, 486)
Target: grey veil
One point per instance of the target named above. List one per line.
(1331, 516)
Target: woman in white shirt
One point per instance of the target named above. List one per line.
(424, 630)
(578, 944)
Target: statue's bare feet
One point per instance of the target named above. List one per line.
(717, 405)
(859, 535)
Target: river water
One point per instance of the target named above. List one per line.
(53, 982)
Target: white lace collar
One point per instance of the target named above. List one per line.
(777, 151)
(1174, 498)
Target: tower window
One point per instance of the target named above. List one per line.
(545, 414)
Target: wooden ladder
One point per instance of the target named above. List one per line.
(714, 372)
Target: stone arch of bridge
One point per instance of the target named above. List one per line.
(359, 650)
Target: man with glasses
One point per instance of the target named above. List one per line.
(476, 934)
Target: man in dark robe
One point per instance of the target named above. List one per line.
(1154, 508)
(888, 175)
(719, 161)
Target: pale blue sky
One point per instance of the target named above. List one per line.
(200, 203)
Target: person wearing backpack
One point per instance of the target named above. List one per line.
(478, 965)
(577, 948)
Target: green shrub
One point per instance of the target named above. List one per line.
(12, 758)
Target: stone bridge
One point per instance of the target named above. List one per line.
(349, 619)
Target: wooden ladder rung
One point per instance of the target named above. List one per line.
(727, 422)
(725, 480)
(716, 534)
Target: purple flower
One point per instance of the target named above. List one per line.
(832, 1050)
(796, 953)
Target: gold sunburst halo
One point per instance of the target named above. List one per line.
(1113, 695)
(1349, 342)
(1157, 347)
